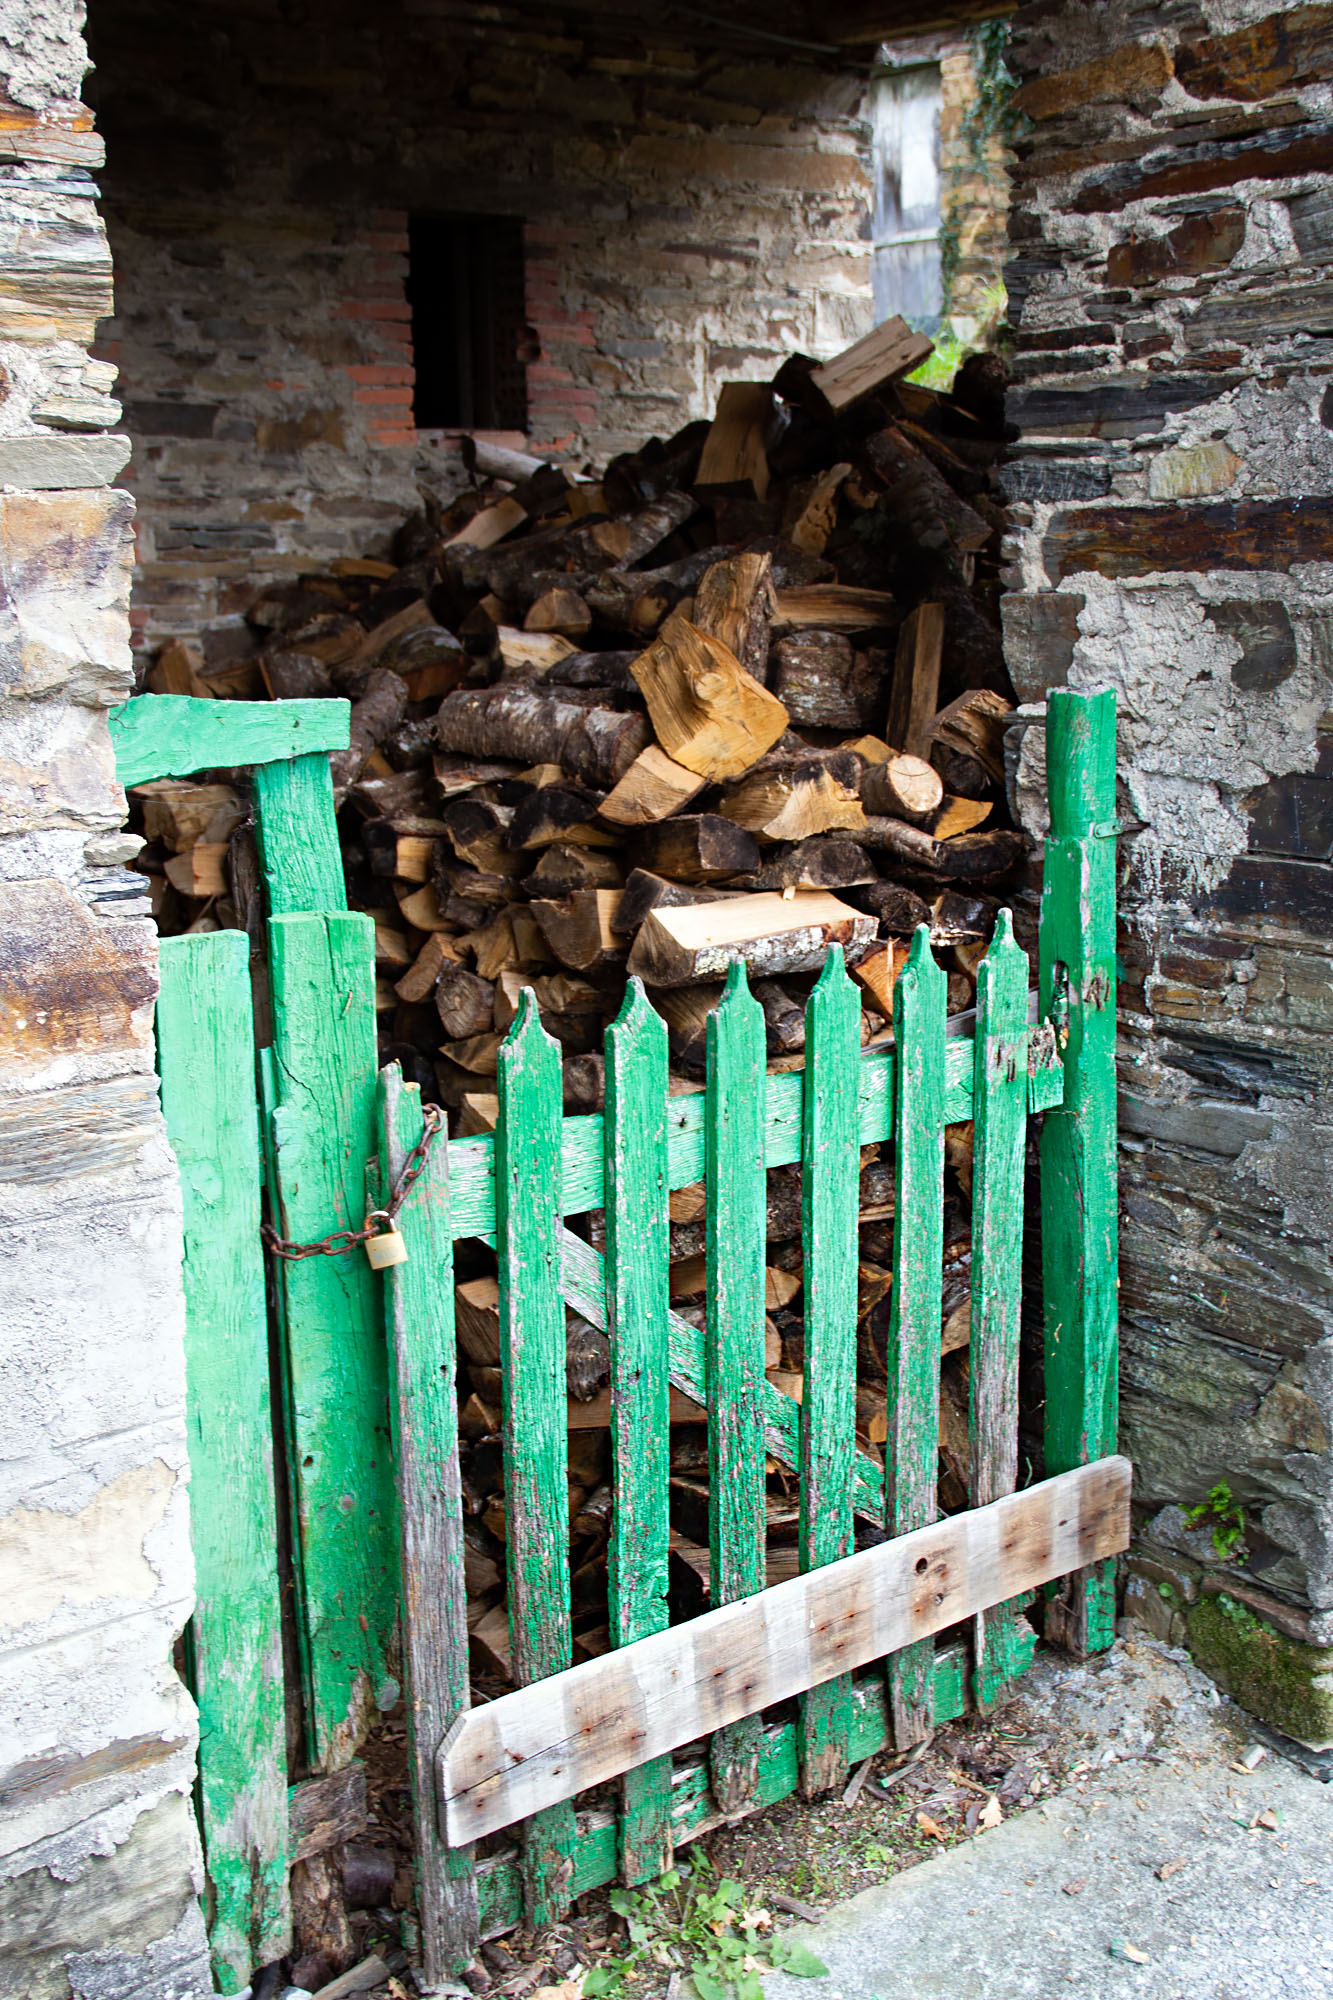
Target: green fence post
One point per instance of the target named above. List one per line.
(638, 1302)
(1078, 1146)
(536, 1445)
(325, 1067)
(830, 1197)
(911, 1450)
(736, 1244)
(207, 1065)
(424, 1409)
(1000, 1114)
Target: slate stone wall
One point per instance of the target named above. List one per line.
(99, 1860)
(1171, 235)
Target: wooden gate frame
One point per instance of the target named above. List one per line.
(322, 963)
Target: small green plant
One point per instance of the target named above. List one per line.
(1225, 1516)
(877, 1856)
(691, 1921)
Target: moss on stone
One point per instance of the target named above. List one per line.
(1288, 1684)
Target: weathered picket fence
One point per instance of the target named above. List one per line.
(616, 1720)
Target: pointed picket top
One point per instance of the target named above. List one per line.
(528, 1046)
(636, 1017)
(922, 972)
(1003, 973)
(834, 977)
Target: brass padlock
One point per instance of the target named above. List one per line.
(386, 1247)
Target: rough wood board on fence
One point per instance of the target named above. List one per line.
(546, 1743)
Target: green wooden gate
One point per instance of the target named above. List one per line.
(522, 1760)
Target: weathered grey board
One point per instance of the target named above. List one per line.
(583, 1727)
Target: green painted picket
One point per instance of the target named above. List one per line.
(355, 1409)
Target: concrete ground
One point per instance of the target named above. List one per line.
(1163, 1871)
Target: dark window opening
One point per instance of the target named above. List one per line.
(470, 341)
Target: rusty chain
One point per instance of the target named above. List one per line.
(339, 1241)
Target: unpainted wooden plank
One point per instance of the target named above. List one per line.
(830, 1190)
(205, 1037)
(532, 1359)
(530, 1749)
(637, 1254)
(999, 1098)
(297, 835)
(734, 1335)
(327, 1811)
(171, 735)
(323, 1125)
(423, 1408)
(912, 1447)
(1080, 1247)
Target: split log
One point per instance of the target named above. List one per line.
(612, 596)
(734, 603)
(960, 816)
(813, 511)
(833, 607)
(685, 1009)
(201, 870)
(464, 1003)
(489, 525)
(566, 866)
(792, 801)
(902, 787)
(899, 909)
(622, 544)
(974, 726)
(401, 848)
(970, 857)
(708, 713)
(784, 1032)
(554, 812)
(645, 891)
(528, 655)
(770, 934)
(916, 680)
(921, 498)
(828, 861)
(653, 788)
(701, 847)
(878, 973)
(822, 683)
(892, 349)
(479, 834)
(579, 928)
(735, 455)
(179, 812)
(418, 982)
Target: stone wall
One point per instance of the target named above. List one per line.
(695, 211)
(1172, 236)
(98, 1854)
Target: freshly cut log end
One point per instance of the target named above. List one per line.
(916, 680)
(902, 787)
(708, 713)
(793, 801)
(653, 788)
(770, 934)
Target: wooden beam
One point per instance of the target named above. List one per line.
(171, 735)
(584, 1727)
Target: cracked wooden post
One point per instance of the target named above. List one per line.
(1078, 1147)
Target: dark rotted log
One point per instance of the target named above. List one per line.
(899, 910)
(549, 812)
(645, 891)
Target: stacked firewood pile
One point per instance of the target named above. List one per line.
(741, 696)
